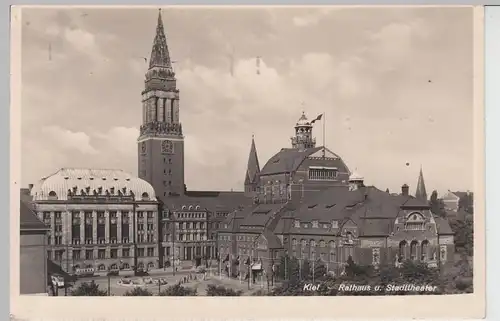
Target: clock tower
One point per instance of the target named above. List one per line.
(161, 142)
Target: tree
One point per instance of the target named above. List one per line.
(319, 270)
(305, 270)
(138, 291)
(437, 205)
(387, 190)
(214, 290)
(178, 290)
(464, 235)
(88, 289)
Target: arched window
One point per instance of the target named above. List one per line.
(113, 267)
(413, 250)
(303, 242)
(102, 267)
(415, 222)
(140, 265)
(126, 266)
(313, 243)
(145, 196)
(294, 242)
(89, 266)
(331, 244)
(424, 255)
(151, 265)
(52, 195)
(332, 257)
(402, 250)
(322, 243)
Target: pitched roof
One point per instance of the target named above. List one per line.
(420, 192)
(214, 201)
(287, 160)
(28, 219)
(443, 226)
(253, 167)
(273, 242)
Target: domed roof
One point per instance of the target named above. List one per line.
(355, 177)
(303, 120)
(58, 184)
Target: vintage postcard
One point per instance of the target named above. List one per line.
(327, 152)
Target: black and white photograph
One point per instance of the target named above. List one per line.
(253, 151)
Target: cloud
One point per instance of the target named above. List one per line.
(372, 83)
(68, 140)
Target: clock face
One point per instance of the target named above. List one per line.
(143, 147)
(167, 147)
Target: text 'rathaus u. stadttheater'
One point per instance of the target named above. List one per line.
(304, 202)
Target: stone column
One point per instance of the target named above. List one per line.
(64, 223)
(119, 226)
(94, 227)
(82, 227)
(106, 226)
(160, 110)
(176, 111)
(52, 227)
(168, 110)
(131, 227)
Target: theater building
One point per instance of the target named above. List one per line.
(310, 206)
(98, 218)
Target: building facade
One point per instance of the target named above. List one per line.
(99, 219)
(33, 250)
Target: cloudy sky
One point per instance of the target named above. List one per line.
(395, 84)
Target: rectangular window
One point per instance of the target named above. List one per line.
(89, 254)
(315, 224)
(76, 254)
(113, 253)
(140, 252)
(151, 251)
(101, 254)
(125, 252)
(323, 173)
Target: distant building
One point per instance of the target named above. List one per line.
(453, 201)
(33, 247)
(92, 215)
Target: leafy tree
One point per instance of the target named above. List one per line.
(88, 289)
(214, 290)
(319, 270)
(467, 203)
(305, 269)
(437, 205)
(464, 235)
(138, 291)
(178, 290)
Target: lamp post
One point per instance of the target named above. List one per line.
(134, 230)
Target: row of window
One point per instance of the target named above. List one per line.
(98, 214)
(101, 254)
(315, 224)
(141, 238)
(324, 174)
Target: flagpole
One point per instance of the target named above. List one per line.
(324, 143)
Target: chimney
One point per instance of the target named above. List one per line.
(405, 190)
(30, 187)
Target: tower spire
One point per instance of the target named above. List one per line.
(421, 193)
(253, 169)
(160, 56)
